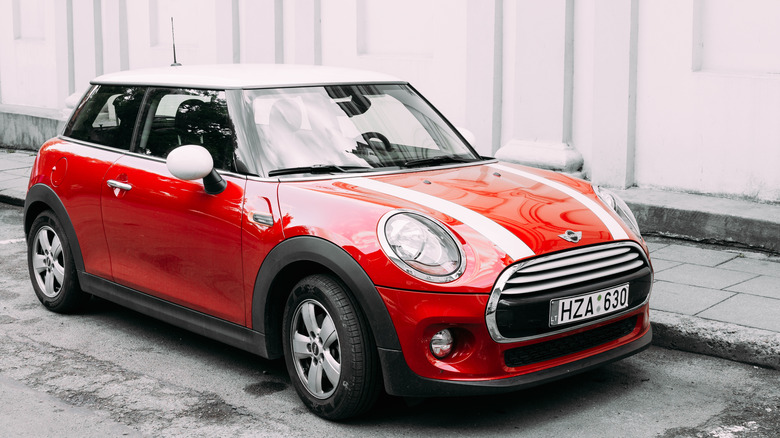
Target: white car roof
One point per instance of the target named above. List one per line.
(227, 76)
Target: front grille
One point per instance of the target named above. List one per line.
(519, 306)
(574, 267)
(521, 356)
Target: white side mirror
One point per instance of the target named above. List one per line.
(190, 162)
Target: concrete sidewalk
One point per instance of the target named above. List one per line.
(717, 300)
(14, 175)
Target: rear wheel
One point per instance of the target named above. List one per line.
(51, 266)
(328, 349)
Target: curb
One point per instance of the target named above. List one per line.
(706, 219)
(713, 338)
(11, 200)
(724, 229)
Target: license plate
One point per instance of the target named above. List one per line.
(588, 306)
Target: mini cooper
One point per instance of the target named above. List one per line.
(334, 218)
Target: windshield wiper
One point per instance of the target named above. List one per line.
(439, 159)
(319, 168)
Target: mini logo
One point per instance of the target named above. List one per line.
(571, 236)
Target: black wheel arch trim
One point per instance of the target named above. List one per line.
(43, 194)
(333, 258)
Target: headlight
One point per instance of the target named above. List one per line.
(615, 203)
(421, 246)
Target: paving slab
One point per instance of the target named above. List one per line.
(761, 267)
(16, 183)
(662, 265)
(690, 254)
(654, 246)
(771, 257)
(23, 172)
(7, 165)
(5, 176)
(685, 299)
(747, 310)
(20, 157)
(763, 285)
(703, 276)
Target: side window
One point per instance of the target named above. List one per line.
(176, 117)
(107, 116)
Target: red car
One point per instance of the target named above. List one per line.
(335, 218)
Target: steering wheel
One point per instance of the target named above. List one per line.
(368, 136)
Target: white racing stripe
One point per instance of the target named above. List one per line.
(617, 231)
(500, 236)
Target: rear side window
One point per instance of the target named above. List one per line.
(107, 116)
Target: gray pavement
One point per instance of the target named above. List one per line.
(722, 301)
(14, 175)
(716, 300)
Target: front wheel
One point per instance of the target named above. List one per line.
(328, 349)
(52, 270)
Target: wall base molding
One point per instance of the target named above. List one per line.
(27, 128)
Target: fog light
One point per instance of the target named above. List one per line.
(441, 343)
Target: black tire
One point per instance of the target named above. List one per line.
(51, 266)
(320, 306)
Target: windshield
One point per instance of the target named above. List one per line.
(350, 128)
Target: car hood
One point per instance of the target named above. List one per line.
(523, 211)
(503, 212)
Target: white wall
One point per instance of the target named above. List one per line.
(33, 53)
(708, 97)
(445, 48)
(605, 78)
(675, 94)
(537, 85)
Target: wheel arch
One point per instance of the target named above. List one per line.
(40, 198)
(298, 257)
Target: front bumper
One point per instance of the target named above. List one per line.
(401, 381)
(479, 364)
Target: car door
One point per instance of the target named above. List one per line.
(167, 237)
(98, 133)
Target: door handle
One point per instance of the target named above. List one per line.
(119, 185)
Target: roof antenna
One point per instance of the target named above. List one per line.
(173, 40)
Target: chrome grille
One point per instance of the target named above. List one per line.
(519, 306)
(572, 268)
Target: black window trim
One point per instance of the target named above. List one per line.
(143, 113)
(95, 88)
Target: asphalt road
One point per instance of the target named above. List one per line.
(113, 372)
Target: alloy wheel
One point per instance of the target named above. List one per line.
(316, 349)
(48, 261)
